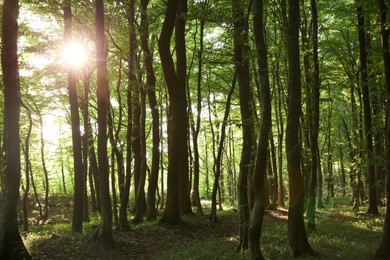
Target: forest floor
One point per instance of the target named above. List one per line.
(340, 234)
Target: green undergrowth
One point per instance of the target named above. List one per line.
(340, 234)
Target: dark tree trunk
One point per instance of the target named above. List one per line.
(77, 220)
(373, 206)
(218, 161)
(181, 69)
(241, 49)
(296, 227)
(314, 115)
(171, 213)
(123, 221)
(260, 168)
(383, 249)
(104, 232)
(151, 92)
(196, 126)
(11, 244)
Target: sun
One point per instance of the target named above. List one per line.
(74, 54)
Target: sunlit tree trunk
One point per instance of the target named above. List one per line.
(11, 244)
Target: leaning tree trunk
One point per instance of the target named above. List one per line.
(373, 206)
(260, 168)
(296, 227)
(104, 232)
(383, 249)
(11, 244)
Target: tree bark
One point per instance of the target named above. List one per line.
(240, 39)
(260, 168)
(104, 232)
(314, 116)
(296, 228)
(171, 213)
(77, 220)
(383, 249)
(11, 244)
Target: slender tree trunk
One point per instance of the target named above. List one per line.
(296, 228)
(218, 161)
(373, 206)
(151, 92)
(314, 104)
(11, 244)
(77, 220)
(240, 39)
(260, 168)
(45, 172)
(104, 232)
(123, 221)
(27, 168)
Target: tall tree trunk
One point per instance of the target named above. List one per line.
(77, 220)
(218, 161)
(260, 168)
(151, 92)
(296, 227)
(27, 168)
(383, 249)
(240, 40)
(196, 126)
(373, 206)
(171, 213)
(314, 118)
(104, 232)
(181, 74)
(45, 171)
(123, 221)
(11, 244)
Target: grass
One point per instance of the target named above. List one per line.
(340, 234)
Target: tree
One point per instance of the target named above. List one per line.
(296, 227)
(383, 249)
(314, 116)
(77, 221)
(104, 232)
(177, 120)
(240, 39)
(11, 244)
(260, 167)
(373, 206)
